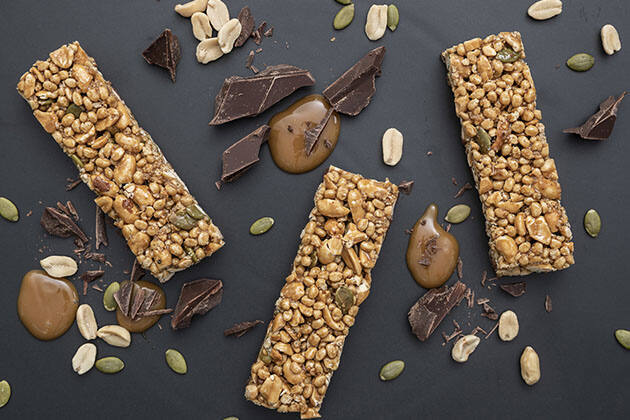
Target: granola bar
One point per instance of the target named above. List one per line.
(508, 154)
(161, 221)
(320, 300)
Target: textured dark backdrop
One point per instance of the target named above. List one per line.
(584, 370)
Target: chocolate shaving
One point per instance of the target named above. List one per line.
(85, 287)
(63, 209)
(269, 32)
(243, 154)
(248, 96)
(247, 26)
(72, 210)
(427, 313)
(448, 228)
(312, 135)
(489, 312)
(164, 52)
(460, 268)
(196, 298)
(481, 301)
(352, 92)
(250, 59)
(138, 301)
(72, 184)
(406, 186)
(254, 69)
(95, 256)
(484, 277)
(600, 125)
(514, 289)
(100, 234)
(95, 287)
(156, 312)
(123, 297)
(548, 306)
(454, 181)
(478, 329)
(91, 275)
(256, 36)
(241, 328)
(150, 298)
(59, 224)
(463, 189)
(137, 272)
(492, 330)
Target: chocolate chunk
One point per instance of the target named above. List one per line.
(243, 154)
(425, 316)
(269, 32)
(101, 232)
(514, 289)
(164, 52)
(600, 125)
(138, 300)
(354, 89)
(150, 297)
(548, 306)
(196, 298)
(91, 275)
(311, 136)
(489, 312)
(241, 328)
(406, 186)
(59, 224)
(247, 26)
(137, 272)
(248, 96)
(123, 297)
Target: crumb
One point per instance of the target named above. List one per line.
(333, 39)
(429, 153)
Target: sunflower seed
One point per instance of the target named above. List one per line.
(483, 140)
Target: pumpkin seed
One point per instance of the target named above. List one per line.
(344, 298)
(110, 364)
(344, 1)
(182, 220)
(195, 211)
(391, 370)
(592, 223)
(458, 213)
(508, 55)
(623, 336)
(75, 110)
(232, 417)
(392, 17)
(261, 226)
(108, 297)
(580, 62)
(8, 210)
(5, 393)
(483, 140)
(78, 162)
(344, 17)
(176, 361)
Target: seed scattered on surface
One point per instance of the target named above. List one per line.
(84, 358)
(110, 364)
(8, 210)
(344, 1)
(176, 361)
(508, 326)
(108, 297)
(391, 370)
(483, 140)
(5, 393)
(114, 335)
(580, 62)
(59, 266)
(592, 223)
(261, 226)
(464, 347)
(344, 17)
(530, 366)
(232, 417)
(376, 22)
(458, 213)
(86, 322)
(392, 146)
(545, 9)
(622, 336)
(208, 50)
(392, 17)
(610, 39)
(508, 55)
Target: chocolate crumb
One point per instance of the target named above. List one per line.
(138, 300)
(408, 231)
(62, 207)
(29, 213)
(164, 52)
(72, 210)
(515, 289)
(429, 153)
(481, 301)
(254, 69)
(548, 306)
(137, 272)
(250, 59)
(269, 32)
(241, 328)
(95, 287)
(489, 312)
(85, 287)
(463, 189)
(259, 50)
(406, 186)
(72, 184)
(484, 277)
(100, 234)
(454, 181)
(123, 297)
(155, 312)
(492, 330)
(91, 275)
(218, 184)
(95, 256)
(448, 228)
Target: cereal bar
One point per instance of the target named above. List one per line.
(320, 300)
(160, 220)
(508, 154)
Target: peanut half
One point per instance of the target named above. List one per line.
(218, 13)
(530, 366)
(84, 358)
(201, 26)
(59, 266)
(610, 39)
(192, 7)
(464, 347)
(86, 322)
(115, 335)
(376, 22)
(208, 50)
(508, 326)
(228, 34)
(545, 9)
(392, 146)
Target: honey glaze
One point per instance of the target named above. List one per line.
(46, 305)
(142, 323)
(432, 252)
(286, 137)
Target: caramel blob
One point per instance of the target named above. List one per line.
(46, 305)
(432, 252)
(141, 324)
(286, 137)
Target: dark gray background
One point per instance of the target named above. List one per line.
(584, 370)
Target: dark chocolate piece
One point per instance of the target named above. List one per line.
(405, 187)
(91, 275)
(548, 306)
(150, 297)
(241, 328)
(462, 190)
(164, 52)
(258, 33)
(600, 125)
(240, 156)
(95, 256)
(123, 297)
(514, 289)
(425, 316)
(101, 232)
(58, 224)
(250, 59)
(489, 312)
(138, 300)
(196, 298)
(312, 135)
(354, 89)
(247, 26)
(269, 32)
(72, 184)
(155, 312)
(137, 272)
(248, 96)
(72, 210)
(63, 208)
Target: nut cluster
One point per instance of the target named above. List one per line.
(507, 151)
(159, 218)
(318, 304)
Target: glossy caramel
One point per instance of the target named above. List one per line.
(141, 324)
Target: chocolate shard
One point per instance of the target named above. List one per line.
(101, 232)
(155, 312)
(312, 135)
(164, 52)
(406, 186)
(123, 297)
(247, 26)
(248, 96)
(196, 298)
(150, 297)
(241, 328)
(600, 125)
(59, 224)
(514, 289)
(352, 92)
(137, 272)
(72, 210)
(91, 275)
(138, 300)
(489, 312)
(243, 154)
(548, 306)
(429, 311)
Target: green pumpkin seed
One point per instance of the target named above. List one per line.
(483, 140)
(110, 364)
(508, 55)
(108, 297)
(74, 110)
(231, 418)
(344, 17)
(176, 361)
(592, 223)
(182, 220)
(344, 298)
(8, 210)
(623, 336)
(580, 62)
(344, 1)
(392, 17)
(391, 370)
(458, 213)
(195, 211)
(5, 393)
(44, 105)
(78, 162)
(261, 226)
